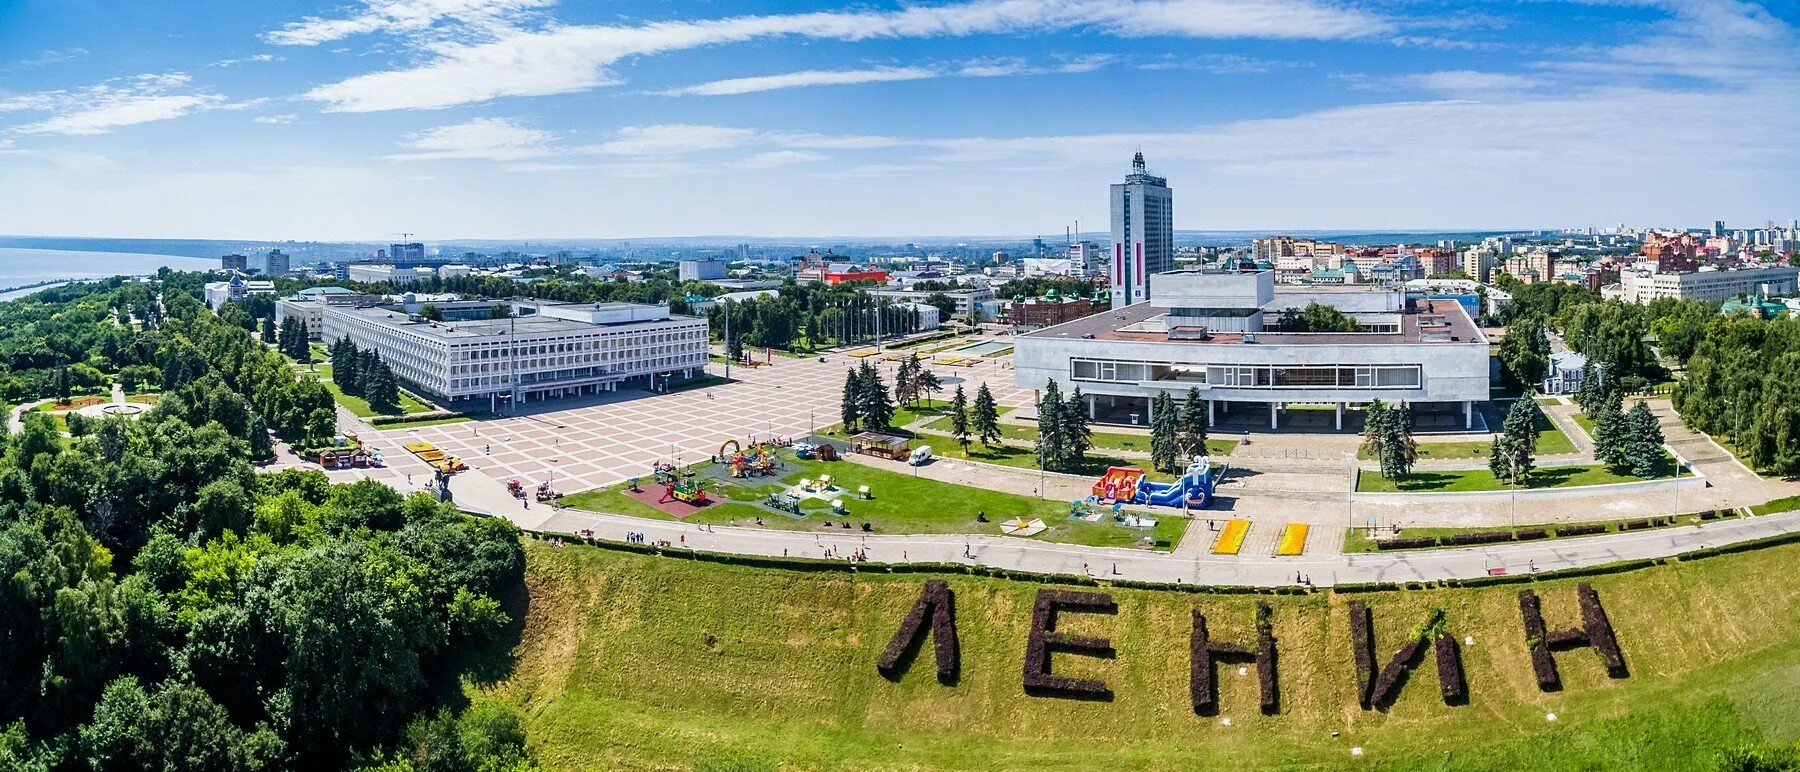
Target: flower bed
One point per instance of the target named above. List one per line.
(75, 403)
(1045, 640)
(1231, 539)
(1293, 540)
(937, 600)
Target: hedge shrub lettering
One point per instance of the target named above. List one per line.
(1044, 640)
(938, 603)
(1204, 653)
(1595, 631)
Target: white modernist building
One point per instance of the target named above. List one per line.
(543, 351)
(1638, 286)
(1212, 330)
(308, 305)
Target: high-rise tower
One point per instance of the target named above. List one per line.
(1143, 233)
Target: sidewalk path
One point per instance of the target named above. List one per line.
(1050, 558)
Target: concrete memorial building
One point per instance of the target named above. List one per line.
(1217, 331)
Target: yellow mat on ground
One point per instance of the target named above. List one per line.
(1232, 538)
(1293, 539)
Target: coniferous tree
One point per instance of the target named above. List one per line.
(903, 382)
(261, 449)
(1517, 447)
(873, 404)
(1398, 450)
(1374, 428)
(1077, 437)
(959, 419)
(851, 406)
(1193, 424)
(1163, 429)
(1609, 433)
(1052, 443)
(1587, 393)
(1643, 450)
(268, 329)
(379, 388)
(62, 383)
(987, 417)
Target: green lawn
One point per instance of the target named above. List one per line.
(360, 406)
(1551, 441)
(638, 662)
(1357, 539)
(901, 504)
(1463, 450)
(1586, 423)
(1786, 504)
(904, 415)
(1101, 439)
(1448, 481)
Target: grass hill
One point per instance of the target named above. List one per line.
(628, 661)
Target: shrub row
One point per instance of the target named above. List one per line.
(1538, 641)
(937, 600)
(435, 415)
(1362, 643)
(1451, 683)
(1044, 640)
(1642, 523)
(1204, 653)
(1580, 530)
(1413, 543)
(1478, 537)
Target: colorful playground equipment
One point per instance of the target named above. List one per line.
(688, 491)
(1126, 485)
(761, 461)
(348, 451)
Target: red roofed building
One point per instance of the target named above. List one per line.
(835, 275)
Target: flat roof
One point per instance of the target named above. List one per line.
(535, 324)
(1112, 325)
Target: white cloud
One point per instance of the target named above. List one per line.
(776, 158)
(732, 86)
(1089, 63)
(276, 119)
(1222, 64)
(496, 139)
(672, 139)
(109, 105)
(488, 17)
(1467, 82)
(561, 59)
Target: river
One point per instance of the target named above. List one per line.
(19, 267)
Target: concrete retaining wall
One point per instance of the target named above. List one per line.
(1690, 479)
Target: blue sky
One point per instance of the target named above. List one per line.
(538, 118)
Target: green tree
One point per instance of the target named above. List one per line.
(268, 330)
(1398, 450)
(1077, 435)
(873, 403)
(987, 417)
(1515, 451)
(1643, 446)
(905, 388)
(927, 384)
(176, 726)
(1609, 432)
(379, 389)
(1193, 424)
(62, 384)
(1525, 352)
(1053, 441)
(431, 312)
(850, 407)
(959, 419)
(1164, 428)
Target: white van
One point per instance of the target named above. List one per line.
(919, 456)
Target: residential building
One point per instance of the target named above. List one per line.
(701, 270)
(1672, 254)
(930, 317)
(1642, 286)
(1088, 258)
(271, 263)
(233, 262)
(1143, 233)
(1565, 373)
(966, 299)
(1477, 262)
(1212, 330)
(543, 351)
(402, 254)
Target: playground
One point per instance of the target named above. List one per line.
(807, 493)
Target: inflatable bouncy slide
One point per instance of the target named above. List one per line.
(1126, 485)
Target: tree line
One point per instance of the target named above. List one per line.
(170, 608)
(363, 373)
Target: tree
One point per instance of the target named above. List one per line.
(1164, 426)
(1609, 431)
(1078, 438)
(62, 383)
(1193, 429)
(905, 387)
(959, 419)
(873, 404)
(1643, 446)
(176, 726)
(1525, 352)
(1398, 450)
(987, 417)
(261, 448)
(1374, 422)
(431, 312)
(1052, 442)
(1515, 450)
(945, 305)
(379, 389)
(850, 408)
(928, 385)
(268, 329)
(1589, 390)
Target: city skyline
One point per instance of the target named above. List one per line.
(524, 118)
